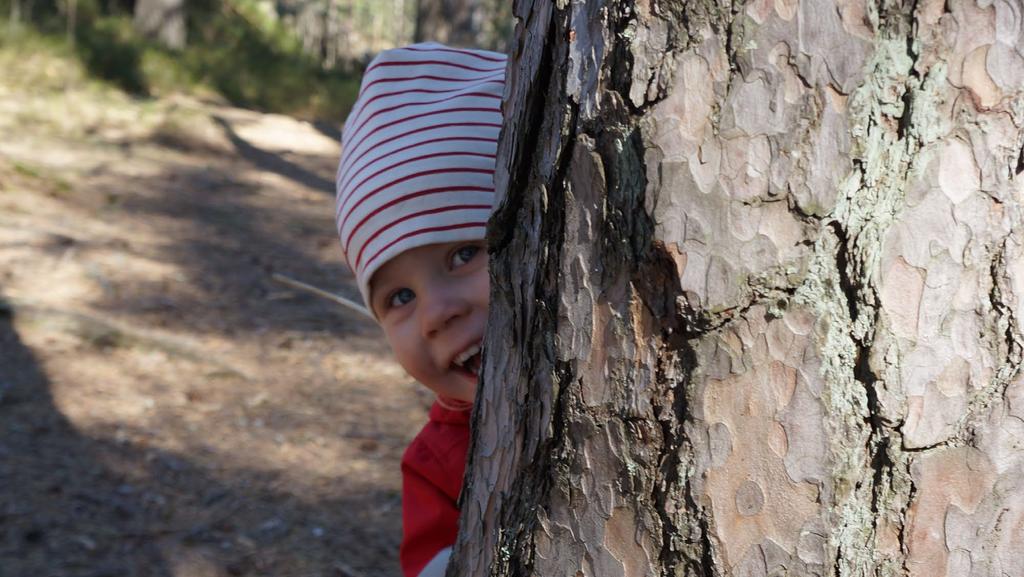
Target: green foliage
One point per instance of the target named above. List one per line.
(110, 49)
(233, 49)
(254, 62)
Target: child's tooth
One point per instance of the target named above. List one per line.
(467, 354)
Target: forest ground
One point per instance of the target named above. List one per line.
(166, 408)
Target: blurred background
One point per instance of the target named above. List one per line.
(166, 408)
(300, 57)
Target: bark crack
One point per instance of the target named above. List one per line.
(627, 242)
(1012, 339)
(502, 225)
(536, 193)
(868, 210)
(518, 535)
(686, 536)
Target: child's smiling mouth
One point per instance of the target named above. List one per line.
(468, 361)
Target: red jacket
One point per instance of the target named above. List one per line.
(432, 469)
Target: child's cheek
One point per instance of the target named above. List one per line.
(482, 288)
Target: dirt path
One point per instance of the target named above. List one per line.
(166, 409)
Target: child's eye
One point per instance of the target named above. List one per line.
(400, 297)
(464, 254)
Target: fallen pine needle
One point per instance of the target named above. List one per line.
(338, 299)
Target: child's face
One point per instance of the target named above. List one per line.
(432, 304)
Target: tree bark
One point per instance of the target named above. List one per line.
(162, 20)
(758, 274)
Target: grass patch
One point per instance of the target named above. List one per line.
(52, 184)
(25, 170)
(37, 62)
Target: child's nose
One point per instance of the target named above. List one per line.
(440, 310)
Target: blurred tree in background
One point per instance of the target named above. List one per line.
(162, 20)
(466, 23)
(300, 57)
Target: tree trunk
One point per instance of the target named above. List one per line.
(162, 20)
(454, 22)
(329, 43)
(758, 282)
(72, 21)
(398, 18)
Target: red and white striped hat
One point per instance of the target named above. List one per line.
(418, 153)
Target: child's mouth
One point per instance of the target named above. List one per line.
(468, 362)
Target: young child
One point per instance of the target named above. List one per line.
(415, 190)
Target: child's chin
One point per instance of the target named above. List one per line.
(468, 380)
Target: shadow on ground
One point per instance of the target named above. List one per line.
(43, 461)
(272, 162)
(79, 506)
(229, 230)
(120, 456)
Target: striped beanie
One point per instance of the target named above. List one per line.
(418, 154)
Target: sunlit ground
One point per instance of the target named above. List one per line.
(166, 409)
